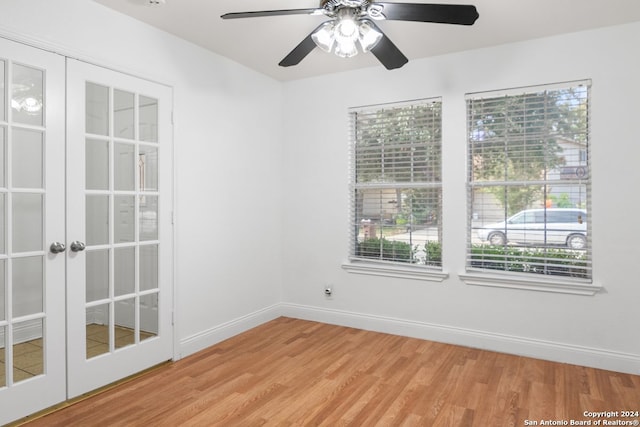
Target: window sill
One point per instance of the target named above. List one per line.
(395, 270)
(515, 281)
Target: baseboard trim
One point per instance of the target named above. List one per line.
(539, 349)
(528, 347)
(209, 337)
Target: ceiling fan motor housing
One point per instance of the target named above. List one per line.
(332, 5)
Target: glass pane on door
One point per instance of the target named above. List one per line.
(148, 267)
(28, 353)
(3, 92)
(124, 114)
(149, 322)
(97, 330)
(3, 151)
(97, 275)
(3, 291)
(125, 267)
(28, 217)
(148, 128)
(3, 216)
(148, 168)
(97, 219)
(124, 167)
(97, 164)
(125, 319)
(124, 214)
(27, 100)
(27, 158)
(28, 286)
(97, 109)
(3, 364)
(148, 218)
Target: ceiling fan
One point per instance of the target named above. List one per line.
(352, 25)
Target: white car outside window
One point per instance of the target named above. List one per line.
(552, 226)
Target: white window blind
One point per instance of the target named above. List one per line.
(396, 187)
(529, 181)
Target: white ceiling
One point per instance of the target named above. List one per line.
(260, 43)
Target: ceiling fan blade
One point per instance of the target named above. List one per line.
(461, 14)
(300, 52)
(388, 53)
(261, 13)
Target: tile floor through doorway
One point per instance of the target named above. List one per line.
(28, 356)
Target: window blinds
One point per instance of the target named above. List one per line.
(529, 181)
(396, 187)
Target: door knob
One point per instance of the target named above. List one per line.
(77, 246)
(57, 247)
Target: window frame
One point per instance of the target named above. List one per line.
(478, 276)
(379, 267)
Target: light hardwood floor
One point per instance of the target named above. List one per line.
(292, 372)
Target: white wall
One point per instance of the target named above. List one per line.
(598, 330)
(227, 157)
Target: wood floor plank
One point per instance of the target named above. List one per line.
(292, 372)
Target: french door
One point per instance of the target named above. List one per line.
(85, 228)
(32, 276)
(119, 226)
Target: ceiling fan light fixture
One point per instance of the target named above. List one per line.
(346, 28)
(369, 36)
(346, 33)
(342, 35)
(324, 37)
(346, 48)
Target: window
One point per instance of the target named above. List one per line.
(396, 187)
(529, 182)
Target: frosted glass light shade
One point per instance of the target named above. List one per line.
(323, 37)
(346, 28)
(346, 48)
(342, 35)
(369, 36)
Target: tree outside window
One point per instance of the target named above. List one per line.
(528, 159)
(396, 184)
